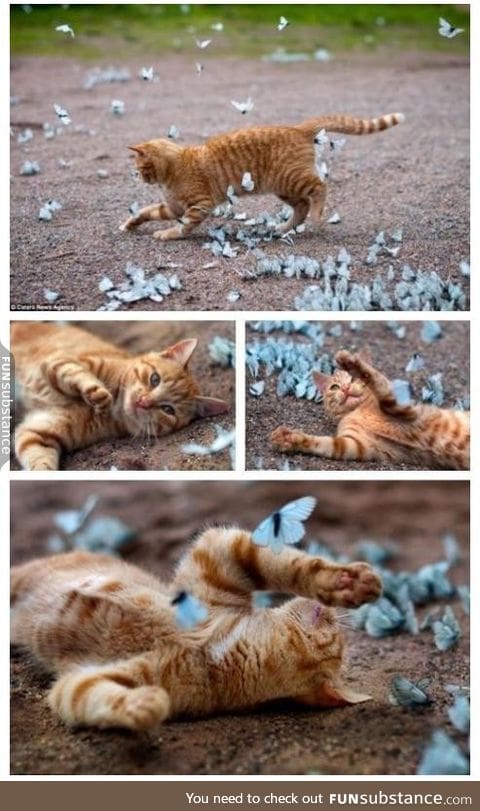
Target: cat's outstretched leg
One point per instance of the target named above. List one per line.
(357, 366)
(229, 566)
(119, 695)
(45, 433)
(158, 211)
(192, 217)
(346, 447)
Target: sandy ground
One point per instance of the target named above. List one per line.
(449, 355)
(371, 738)
(415, 176)
(137, 453)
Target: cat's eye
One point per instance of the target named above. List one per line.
(334, 386)
(154, 380)
(168, 409)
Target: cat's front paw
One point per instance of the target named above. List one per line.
(285, 439)
(354, 364)
(145, 708)
(356, 584)
(128, 225)
(98, 398)
(41, 465)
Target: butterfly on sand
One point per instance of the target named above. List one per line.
(284, 526)
(189, 611)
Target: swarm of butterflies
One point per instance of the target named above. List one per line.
(137, 287)
(292, 362)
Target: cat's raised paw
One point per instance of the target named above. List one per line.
(145, 708)
(356, 584)
(99, 398)
(285, 439)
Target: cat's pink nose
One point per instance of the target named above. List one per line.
(143, 402)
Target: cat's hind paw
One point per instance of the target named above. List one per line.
(356, 584)
(285, 439)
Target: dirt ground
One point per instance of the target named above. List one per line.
(450, 355)
(371, 738)
(415, 176)
(137, 453)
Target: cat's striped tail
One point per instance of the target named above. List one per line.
(349, 125)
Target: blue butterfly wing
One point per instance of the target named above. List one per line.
(291, 530)
(300, 509)
(264, 535)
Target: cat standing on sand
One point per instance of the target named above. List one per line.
(108, 632)
(280, 160)
(79, 389)
(374, 427)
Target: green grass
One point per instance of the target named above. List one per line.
(123, 31)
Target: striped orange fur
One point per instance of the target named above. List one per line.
(374, 427)
(280, 159)
(79, 389)
(108, 632)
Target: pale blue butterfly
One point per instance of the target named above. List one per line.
(284, 526)
(406, 693)
(189, 611)
(443, 756)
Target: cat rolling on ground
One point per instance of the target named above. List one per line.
(107, 630)
(78, 389)
(374, 427)
(280, 160)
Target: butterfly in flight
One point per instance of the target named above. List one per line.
(447, 30)
(282, 23)
(244, 106)
(284, 526)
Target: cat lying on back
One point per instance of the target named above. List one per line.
(280, 160)
(79, 389)
(374, 427)
(108, 631)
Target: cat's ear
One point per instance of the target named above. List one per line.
(329, 694)
(321, 381)
(210, 406)
(180, 352)
(138, 148)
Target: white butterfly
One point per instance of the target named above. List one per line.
(283, 22)
(447, 30)
(231, 196)
(244, 106)
(203, 43)
(285, 525)
(117, 107)
(62, 114)
(217, 27)
(247, 182)
(65, 29)
(334, 218)
(199, 67)
(173, 132)
(147, 74)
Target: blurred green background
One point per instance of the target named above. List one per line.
(120, 31)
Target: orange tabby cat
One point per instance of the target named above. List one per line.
(108, 631)
(280, 159)
(79, 389)
(373, 426)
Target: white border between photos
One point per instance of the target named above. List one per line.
(241, 318)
